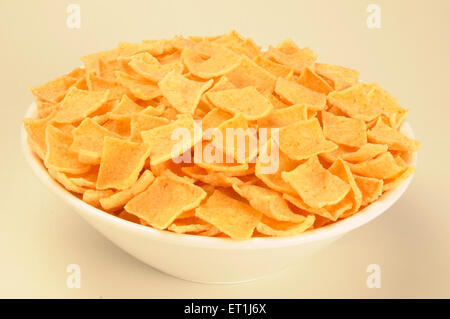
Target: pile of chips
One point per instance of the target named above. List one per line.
(104, 132)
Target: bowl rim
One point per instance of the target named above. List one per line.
(326, 232)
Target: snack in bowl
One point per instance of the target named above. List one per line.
(142, 132)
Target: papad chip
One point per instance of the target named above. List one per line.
(295, 93)
(141, 89)
(162, 145)
(393, 182)
(119, 199)
(93, 196)
(165, 200)
(383, 166)
(141, 122)
(150, 68)
(289, 54)
(121, 163)
(353, 101)
(78, 104)
(268, 202)
(316, 185)
(183, 94)
(88, 140)
(54, 90)
(207, 60)
(344, 130)
(304, 139)
(313, 81)
(235, 218)
(396, 141)
(342, 170)
(281, 229)
(124, 109)
(67, 182)
(284, 117)
(248, 73)
(340, 76)
(247, 101)
(216, 178)
(58, 155)
(274, 180)
(381, 99)
(365, 153)
(275, 68)
(371, 188)
(35, 129)
(189, 225)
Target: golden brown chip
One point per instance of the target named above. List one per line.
(141, 122)
(214, 118)
(88, 140)
(266, 160)
(281, 229)
(289, 54)
(393, 182)
(295, 93)
(248, 73)
(78, 104)
(304, 139)
(340, 76)
(208, 60)
(124, 109)
(119, 199)
(396, 141)
(384, 166)
(35, 129)
(354, 102)
(214, 178)
(54, 90)
(44, 109)
(365, 153)
(165, 200)
(189, 225)
(183, 94)
(121, 163)
(120, 126)
(86, 180)
(342, 170)
(59, 156)
(116, 90)
(162, 146)
(141, 89)
(235, 218)
(247, 101)
(67, 182)
(371, 188)
(381, 99)
(151, 69)
(272, 67)
(316, 185)
(344, 130)
(93, 197)
(238, 44)
(284, 117)
(313, 81)
(268, 202)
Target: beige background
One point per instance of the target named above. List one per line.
(409, 56)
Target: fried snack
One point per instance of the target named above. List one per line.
(213, 136)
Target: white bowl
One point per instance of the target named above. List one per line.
(211, 260)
